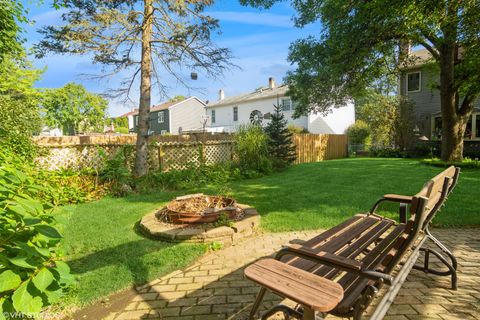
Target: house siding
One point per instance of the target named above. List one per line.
(155, 127)
(187, 115)
(427, 100)
(224, 114)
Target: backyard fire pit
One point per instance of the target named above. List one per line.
(201, 218)
(200, 208)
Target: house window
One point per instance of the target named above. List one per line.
(437, 128)
(413, 82)
(163, 131)
(161, 118)
(288, 105)
(469, 129)
(136, 120)
(235, 113)
(213, 116)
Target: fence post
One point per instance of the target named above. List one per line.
(201, 152)
(160, 157)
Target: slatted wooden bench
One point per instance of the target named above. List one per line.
(360, 255)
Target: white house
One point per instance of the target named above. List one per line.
(226, 114)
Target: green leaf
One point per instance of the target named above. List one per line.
(43, 251)
(23, 301)
(9, 280)
(43, 279)
(64, 271)
(48, 231)
(21, 261)
(32, 221)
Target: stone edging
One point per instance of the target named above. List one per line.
(151, 227)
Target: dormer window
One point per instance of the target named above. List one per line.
(414, 81)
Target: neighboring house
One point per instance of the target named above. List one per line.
(417, 83)
(175, 117)
(226, 114)
(51, 132)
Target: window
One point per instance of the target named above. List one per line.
(413, 82)
(161, 118)
(163, 131)
(468, 130)
(213, 116)
(472, 129)
(235, 113)
(286, 104)
(437, 128)
(136, 120)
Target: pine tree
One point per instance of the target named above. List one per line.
(281, 146)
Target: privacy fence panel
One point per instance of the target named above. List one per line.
(319, 147)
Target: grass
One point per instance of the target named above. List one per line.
(105, 252)
(321, 195)
(107, 255)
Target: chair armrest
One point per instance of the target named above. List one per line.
(322, 256)
(398, 198)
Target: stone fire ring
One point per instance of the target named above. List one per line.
(153, 228)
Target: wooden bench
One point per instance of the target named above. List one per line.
(361, 255)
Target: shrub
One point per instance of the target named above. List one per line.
(122, 130)
(466, 163)
(115, 173)
(296, 129)
(251, 145)
(359, 133)
(31, 274)
(387, 153)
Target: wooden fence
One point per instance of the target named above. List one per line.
(318, 147)
(172, 152)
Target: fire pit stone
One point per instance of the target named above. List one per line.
(199, 225)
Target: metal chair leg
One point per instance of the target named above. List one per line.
(257, 303)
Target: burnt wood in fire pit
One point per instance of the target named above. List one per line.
(200, 208)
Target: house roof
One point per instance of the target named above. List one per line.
(168, 105)
(417, 58)
(130, 113)
(261, 93)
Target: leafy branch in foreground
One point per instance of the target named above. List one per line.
(31, 274)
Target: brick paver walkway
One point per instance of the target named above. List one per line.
(214, 288)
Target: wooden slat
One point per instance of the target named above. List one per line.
(302, 287)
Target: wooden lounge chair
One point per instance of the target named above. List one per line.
(360, 255)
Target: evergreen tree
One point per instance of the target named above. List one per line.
(280, 145)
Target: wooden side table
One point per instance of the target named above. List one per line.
(314, 293)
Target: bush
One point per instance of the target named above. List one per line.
(466, 163)
(359, 133)
(116, 174)
(31, 274)
(296, 129)
(251, 145)
(122, 130)
(387, 153)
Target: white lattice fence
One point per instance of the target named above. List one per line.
(164, 156)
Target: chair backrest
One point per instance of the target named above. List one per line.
(436, 190)
(425, 204)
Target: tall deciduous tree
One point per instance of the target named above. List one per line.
(140, 35)
(359, 43)
(73, 109)
(11, 13)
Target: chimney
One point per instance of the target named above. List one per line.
(271, 83)
(221, 94)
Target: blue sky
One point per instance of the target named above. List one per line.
(258, 39)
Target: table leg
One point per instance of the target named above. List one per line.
(308, 314)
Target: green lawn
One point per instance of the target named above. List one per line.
(107, 254)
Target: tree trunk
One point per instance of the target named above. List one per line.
(453, 125)
(141, 165)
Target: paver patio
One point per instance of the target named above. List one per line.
(214, 288)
